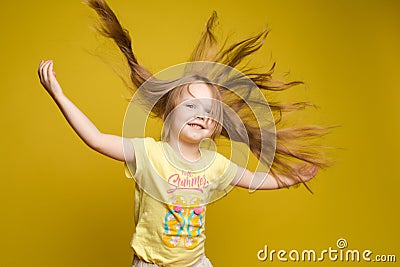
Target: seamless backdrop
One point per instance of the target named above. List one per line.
(62, 204)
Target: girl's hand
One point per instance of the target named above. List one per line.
(48, 78)
(307, 172)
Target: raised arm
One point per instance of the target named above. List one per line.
(264, 181)
(110, 145)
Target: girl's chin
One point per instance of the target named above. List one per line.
(193, 139)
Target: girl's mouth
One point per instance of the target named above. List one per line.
(196, 125)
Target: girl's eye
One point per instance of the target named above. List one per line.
(191, 106)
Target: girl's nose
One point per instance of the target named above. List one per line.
(204, 118)
(201, 117)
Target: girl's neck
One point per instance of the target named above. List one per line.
(187, 151)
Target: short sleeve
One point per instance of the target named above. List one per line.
(127, 169)
(229, 173)
(134, 168)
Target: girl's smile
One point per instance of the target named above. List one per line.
(196, 125)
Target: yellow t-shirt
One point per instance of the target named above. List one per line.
(170, 201)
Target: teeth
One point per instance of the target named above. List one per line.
(195, 126)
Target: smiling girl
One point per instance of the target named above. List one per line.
(178, 176)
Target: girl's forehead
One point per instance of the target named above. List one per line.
(198, 90)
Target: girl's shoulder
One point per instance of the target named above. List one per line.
(144, 141)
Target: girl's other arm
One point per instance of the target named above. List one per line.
(110, 145)
(263, 181)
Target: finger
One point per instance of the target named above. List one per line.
(301, 167)
(313, 170)
(44, 71)
(40, 71)
(52, 73)
(316, 169)
(50, 70)
(42, 62)
(309, 172)
(310, 168)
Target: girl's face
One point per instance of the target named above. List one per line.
(191, 121)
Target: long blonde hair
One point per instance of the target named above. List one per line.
(292, 145)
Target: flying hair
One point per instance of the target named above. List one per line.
(293, 144)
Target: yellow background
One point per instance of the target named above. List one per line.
(63, 204)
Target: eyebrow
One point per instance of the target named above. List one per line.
(188, 99)
(207, 105)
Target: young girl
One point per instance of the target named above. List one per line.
(178, 176)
